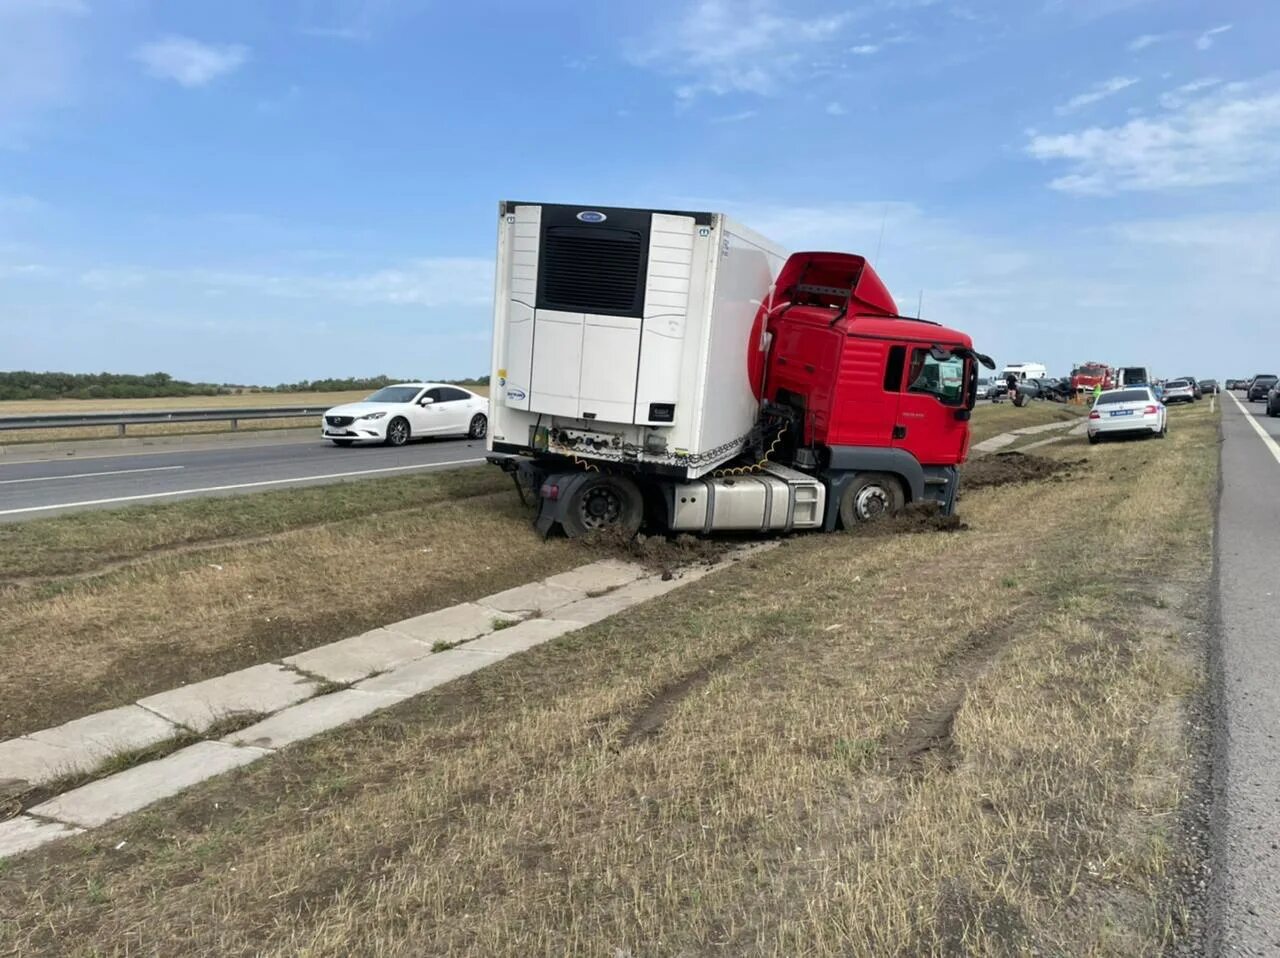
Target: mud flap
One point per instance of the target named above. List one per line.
(555, 491)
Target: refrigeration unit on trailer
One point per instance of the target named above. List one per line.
(680, 368)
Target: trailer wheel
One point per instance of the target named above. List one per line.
(871, 496)
(603, 503)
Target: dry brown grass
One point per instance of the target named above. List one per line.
(991, 419)
(99, 609)
(967, 743)
(70, 407)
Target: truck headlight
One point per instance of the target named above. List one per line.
(372, 415)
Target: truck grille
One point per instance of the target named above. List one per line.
(339, 421)
(592, 270)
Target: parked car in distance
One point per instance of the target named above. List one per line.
(1209, 387)
(395, 414)
(1178, 390)
(985, 385)
(1273, 400)
(1123, 413)
(1196, 391)
(1259, 386)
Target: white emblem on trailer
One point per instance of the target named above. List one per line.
(592, 216)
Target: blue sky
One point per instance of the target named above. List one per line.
(258, 192)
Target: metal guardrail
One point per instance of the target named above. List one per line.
(123, 420)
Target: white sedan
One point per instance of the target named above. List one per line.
(396, 414)
(1128, 412)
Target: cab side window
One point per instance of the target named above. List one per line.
(893, 369)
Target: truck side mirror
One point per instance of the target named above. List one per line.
(963, 415)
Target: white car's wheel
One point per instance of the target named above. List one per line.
(397, 431)
(479, 426)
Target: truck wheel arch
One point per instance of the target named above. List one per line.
(846, 462)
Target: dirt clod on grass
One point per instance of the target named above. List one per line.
(1008, 468)
(658, 553)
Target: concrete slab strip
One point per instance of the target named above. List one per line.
(310, 718)
(109, 798)
(34, 762)
(598, 576)
(534, 597)
(360, 656)
(97, 737)
(260, 688)
(524, 636)
(426, 674)
(24, 833)
(457, 623)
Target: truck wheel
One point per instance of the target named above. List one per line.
(871, 496)
(604, 503)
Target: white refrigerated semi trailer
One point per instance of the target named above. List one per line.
(624, 335)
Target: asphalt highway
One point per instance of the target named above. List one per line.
(30, 490)
(1246, 832)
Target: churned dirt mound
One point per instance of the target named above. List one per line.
(659, 553)
(1007, 468)
(916, 517)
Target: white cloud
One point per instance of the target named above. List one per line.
(1145, 40)
(734, 117)
(190, 62)
(865, 49)
(1177, 97)
(1205, 40)
(836, 109)
(1230, 136)
(737, 46)
(1099, 91)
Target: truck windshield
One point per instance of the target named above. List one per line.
(944, 379)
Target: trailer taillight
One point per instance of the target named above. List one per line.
(550, 491)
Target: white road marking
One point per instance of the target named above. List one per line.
(239, 485)
(1267, 441)
(90, 475)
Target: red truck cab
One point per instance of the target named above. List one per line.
(869, 390)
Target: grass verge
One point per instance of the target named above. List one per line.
(956, 743)
(992, 419)
(99, 609)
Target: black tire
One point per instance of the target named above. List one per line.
(871, 496)
(1094, 440)
(1163, 432)
(397, 432)
(479, 426)
(342, 442)
(604, 504)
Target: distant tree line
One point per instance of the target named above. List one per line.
(21, 384)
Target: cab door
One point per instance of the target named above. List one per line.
(933, 392)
